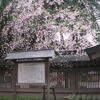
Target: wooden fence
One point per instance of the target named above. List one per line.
(76, 78)
(72, 80)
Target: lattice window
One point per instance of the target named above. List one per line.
(57, 79)
(89, 79)
(5, 79)
(79, 79)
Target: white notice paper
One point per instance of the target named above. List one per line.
(31, 73)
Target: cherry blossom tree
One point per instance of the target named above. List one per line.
(43, 24)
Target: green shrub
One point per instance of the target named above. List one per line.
(84, 97)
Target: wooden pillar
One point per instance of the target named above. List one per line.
(47, 79)
(14, 82)
(66, 79)
(54, 94)
(76, 79)
(44, 93)
(73, 79)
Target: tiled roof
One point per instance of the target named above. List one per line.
(69, 58)
(31, 54)
(66, 61)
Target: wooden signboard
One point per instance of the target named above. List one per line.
(31, 72)
(31, 67)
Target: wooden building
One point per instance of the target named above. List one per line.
(94, 52)
(68, 73)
